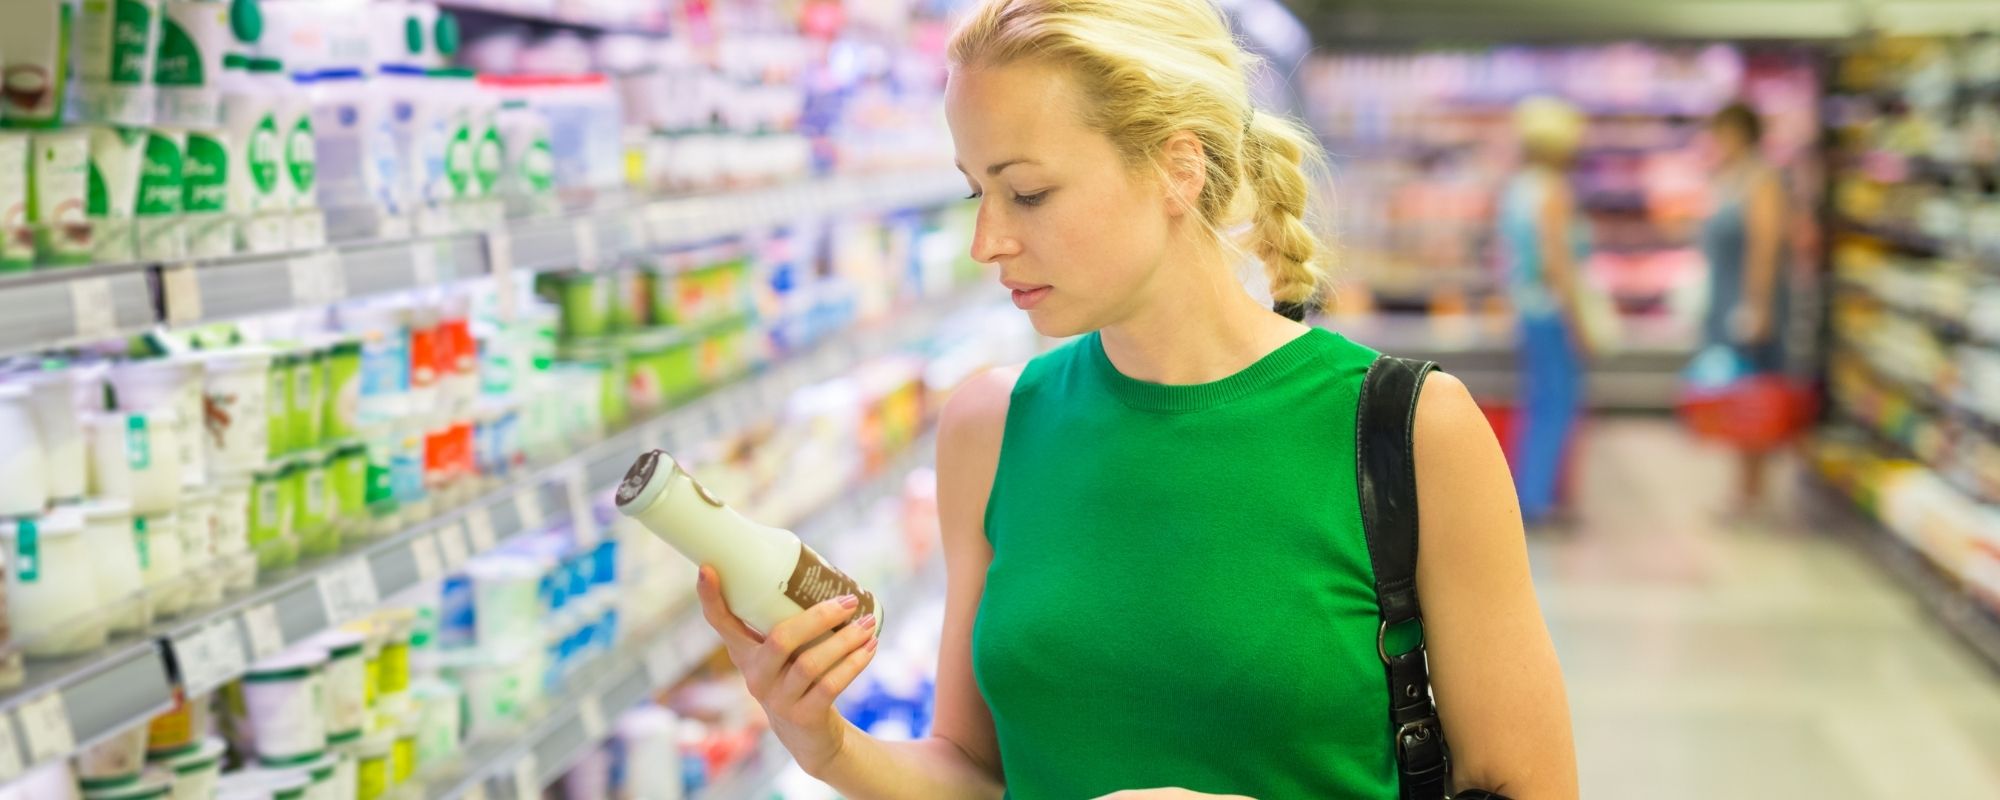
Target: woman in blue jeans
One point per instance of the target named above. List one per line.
(1545, 244)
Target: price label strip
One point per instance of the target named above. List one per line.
(477, 791)
(348, 591)
(92, 307)
(527, 778)
(588, 256)
(424, 264)
(479, 529)
(210, 657)
(500, 260)
(590, 713)
(181, 293)
(528, 505)
(582, 512)
(10, 753)
(260, 625)
(429, 558)
(451, 547)
(45, 726)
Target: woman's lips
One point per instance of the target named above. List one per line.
(1027, 299)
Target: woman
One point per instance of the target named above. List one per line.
(1741, 240)
(1156, 572)
(1545, 246)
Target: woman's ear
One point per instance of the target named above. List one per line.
(1185, 162)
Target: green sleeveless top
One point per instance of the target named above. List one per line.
(1180, 592)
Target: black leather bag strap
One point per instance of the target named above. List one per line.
(1386, 476)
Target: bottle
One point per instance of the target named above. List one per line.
(768, 575)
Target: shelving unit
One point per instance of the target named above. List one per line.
(54, 308)
(557, 17)
(64, 706)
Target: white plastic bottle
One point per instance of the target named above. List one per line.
(768, 575)
(250, 119)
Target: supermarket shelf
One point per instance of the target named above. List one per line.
(102, 693)
(1644, 376)
(501, 11)
(58, 307)
(1974, 621)
(577, 719)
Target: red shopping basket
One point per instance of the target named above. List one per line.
(1759, 412)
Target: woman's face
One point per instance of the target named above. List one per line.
(1077, 236)
(1729, 140)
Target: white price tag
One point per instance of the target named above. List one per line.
(500, 260)
(260, 623)
(528, 506)
(430, 561)
(45, 724)
(182, 294)
(479, 529)
(333, 272)
(210, 657)
(10, 754)
(451, 547)
(424, 263)
(582, 514)
(587, 256)
(348, 591)
(477, 791)
(527, 778)
(591, 714)
(92, 306)
(307, 285)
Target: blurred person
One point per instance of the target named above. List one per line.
(1158, 583)
(1545, 243)
(1742, 241)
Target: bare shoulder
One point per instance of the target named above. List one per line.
(1461, 471)
(1447, 416)
(971, 428)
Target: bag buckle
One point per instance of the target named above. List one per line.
(1417, 734)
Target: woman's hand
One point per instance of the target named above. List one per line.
(1169, 794)
(796, 684)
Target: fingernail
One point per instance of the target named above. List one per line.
(867, 622)
(850, 601)
(872, 644)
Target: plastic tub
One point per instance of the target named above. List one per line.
(344, 681)
(135, 457)
(320, 769)
(164, 561)
(506, 604)
(314, 520)
(236, 564)
(52, 597)
(60, 430)
(270, 521)
(24, 486)
(151, 785)
(282, 704)
(114, 558)
(236, 422)
(115, 761)
(372, 777)
(197, 772)
(197, 528)
(264, 784)
(168, 383)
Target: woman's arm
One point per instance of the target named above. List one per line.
(961, 759)
(1559, 267)
(1764, 225)
(1499, 689)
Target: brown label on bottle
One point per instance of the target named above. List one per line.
(638, 476)
(814, 581)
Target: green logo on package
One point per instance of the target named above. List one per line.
(206, 175)
(129, 40)
(263, 155)
(160, 178)
(300, 157)
(138, 445)
(179, 61)
(538, 167)
(27, 551)
(492, 157)
(143, 541)
(458, 161)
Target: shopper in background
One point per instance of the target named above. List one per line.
(1742, 240)
(1546, 244)
(1157, 574)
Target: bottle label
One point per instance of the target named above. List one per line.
(639, 476)
(27, 551)
(814, 581)
(301, 160)
(143, 541)
(160, 177)
(263, 154)
(206, 175)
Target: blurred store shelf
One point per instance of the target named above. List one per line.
(1480, 349)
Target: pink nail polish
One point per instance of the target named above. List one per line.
(850, 601)
(867, 622)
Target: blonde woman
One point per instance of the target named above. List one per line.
(1158, 583)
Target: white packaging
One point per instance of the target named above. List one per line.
(198, 773)
(650, 736)
(59, 180)
(256, 164)
(117, 41)
(117, 156)
(209, 227)
(507, 604)
(168, 383)
(51, 586)
(117, 759)
(153, 784)
(283, 704)
(358, 163)
(197, 529)
(161, 234)
(307, 225)
(345, 682)
(194, 36)
(232, 533)
(32, 73)
(135, 457)
(114, 546)
(236, 418)
(163, 559)
(24, 488)
(61, 433)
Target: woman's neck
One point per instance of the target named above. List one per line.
(1195, 324)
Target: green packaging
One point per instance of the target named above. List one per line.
(342, 393)
(17, 237)
(58, 196)
(270, 521)
(278, 405)
(315, 529)
(308, 405)
(205, 197)
(161, 236)
(584, 299)
(347, 470)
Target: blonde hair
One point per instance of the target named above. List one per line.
(1548, 127)
(1151, 69)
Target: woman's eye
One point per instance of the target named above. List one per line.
(1031, 200)
(974, 196)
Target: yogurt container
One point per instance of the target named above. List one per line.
(177, 731)
(116, 45)
(194, 35)
(283, 701)
(174, 383)
(197, 526)
(198, 771)
(58, 182)
(236, 564)
(115, 761)
(270, 520)
(372, 776)
(117, 157)
(236, 419)
(163, 558)
(320, 769)
(17, 237)
(52, 592)
(136, 457)
(60, 430)
(33, 75)
(265, 784)
(345, 681)
(24, 487)
(159, 233)
(154, 784)
(314, 526)
(120, 580)
(209, 229)
(256, 160)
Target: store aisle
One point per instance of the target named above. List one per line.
(1754, 661)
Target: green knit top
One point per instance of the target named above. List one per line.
(1180, 592)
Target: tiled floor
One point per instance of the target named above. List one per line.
(1715, 661)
